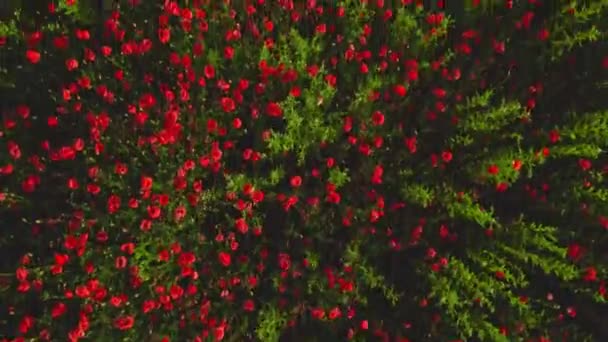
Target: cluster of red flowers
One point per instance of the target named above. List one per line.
(153, 173)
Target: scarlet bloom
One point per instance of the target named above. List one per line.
(585, 164)
(30, 183)
(257, 196)
(14, 150)
(543, 34)
(400, 90)
(124, 323)
(218, 333)
(228, 104)
(228, 52)
(446, 156)
(93, 189)
(248, 305)
(517, 165)
(209, 71)
(439, 93)
(493, 169)
(335, 313)
(121, 169)
(58, 310)
(120, 262)
(274, 110)
(321, 28)
(333, 197)
(164, 34)
(331, 80)
(154, 212)
(237, 123)
(411, 144)
(224, 258)
(146, 183)
(33, 56)
(71, 64)
(284, 261)
(378, 118)
(21, 274)
(23, 111)
(241, 225)
(377, 175)
(296, 181)
(575, 251)
(113, 204)
(502, 187)
(106, 50)
(26, 324)
(61, 42)
(179, 213)
(317, 313)
(590, 274)
(554, 136)
(82, 34)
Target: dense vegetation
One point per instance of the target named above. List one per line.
(211, 170)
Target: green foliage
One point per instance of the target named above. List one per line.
(578, 28)
(338, 177)
(463, 206)
(490, 120)
(270, 324)
(587, 128)
(456, 291)
(418, 194)
(369, 277)
(487, 227)
(577, 150)
(405, 26)
(543, 249)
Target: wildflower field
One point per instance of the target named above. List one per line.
(301, 170)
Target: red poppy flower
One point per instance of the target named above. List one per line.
(164, 35)
(584, 164)
(58, 310)
(146, 183)
(106, 50)
(517, 164)
(400, 90)
(296, 181)
(124, 322)
(61, 43)
(154, 212)
(120, 262)
(113, 204)
(209, 71)
(228, 104)
(225, 259)
(71, 64)
(446, 156)
(82, 34)
(502, 187)
(179, 213)
(32, 56)
(378, 118)
(274, 110)
(575, 251)
(248, 305)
